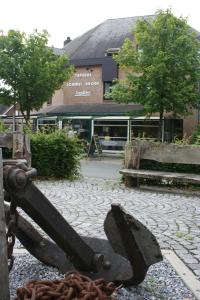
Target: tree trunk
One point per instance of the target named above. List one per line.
(14, 117)
(160, 131)
(26, 117)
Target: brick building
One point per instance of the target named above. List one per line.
(82, 101)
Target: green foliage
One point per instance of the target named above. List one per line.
(151, 286)
(184, 235)
(180, 234)
(196, 136)
(29, 70)
(6, 153)
(55, 155)
(186, 140)
(162, 66)
(2, 127)
(169, 167)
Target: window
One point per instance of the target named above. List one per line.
(111, 51)
(106, 90)
(147, 129)
(47, 125)
(112, 134)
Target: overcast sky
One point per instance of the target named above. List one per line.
(62, 18)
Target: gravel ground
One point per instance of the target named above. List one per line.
(161, 281)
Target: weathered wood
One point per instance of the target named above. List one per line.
(13, 162)
(132, 157)
(132, 160)
(178, 177)
(4, 282)
(163, 152)
(18, 145)
(27, 149)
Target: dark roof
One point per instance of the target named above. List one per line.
(109, 34)
(90, 109)
(58, 51)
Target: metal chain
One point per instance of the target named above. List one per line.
(73, 286)
(10, 235)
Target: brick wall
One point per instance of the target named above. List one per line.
(85, 86)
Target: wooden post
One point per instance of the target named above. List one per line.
(132, 161)
(135, 161)
(18, 145)
(27, 150)
(4, 281)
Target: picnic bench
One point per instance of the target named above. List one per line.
(163, 153)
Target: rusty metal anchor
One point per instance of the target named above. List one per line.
(124, 258)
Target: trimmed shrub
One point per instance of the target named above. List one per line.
(196, 136)
(55, 155)
(169, 167)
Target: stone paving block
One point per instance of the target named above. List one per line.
(196, 272)
(181, 252)
(194, 266)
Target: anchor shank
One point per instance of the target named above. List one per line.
(39, 208)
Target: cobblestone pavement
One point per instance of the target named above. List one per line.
(174, 219)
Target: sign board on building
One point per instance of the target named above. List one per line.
(86, 83)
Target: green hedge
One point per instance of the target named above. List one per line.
(169, 167)
(55, 155)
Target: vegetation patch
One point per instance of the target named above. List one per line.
(55, 155)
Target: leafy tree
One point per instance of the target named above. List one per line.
(162, 66)
(30, 72)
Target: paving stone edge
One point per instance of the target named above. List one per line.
(184, 272)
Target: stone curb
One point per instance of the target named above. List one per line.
(184, 272)
(169, 190)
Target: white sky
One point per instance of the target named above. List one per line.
(62, 18)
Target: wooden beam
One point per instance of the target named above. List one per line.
(132, 160)
(18, 145)
(169, 176)
(163, 152)
(27, 149)
(4, 281)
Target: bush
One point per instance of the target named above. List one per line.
(196, 136)
(169, 167)
(2, 127)
(55, 155)
(186, 140)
